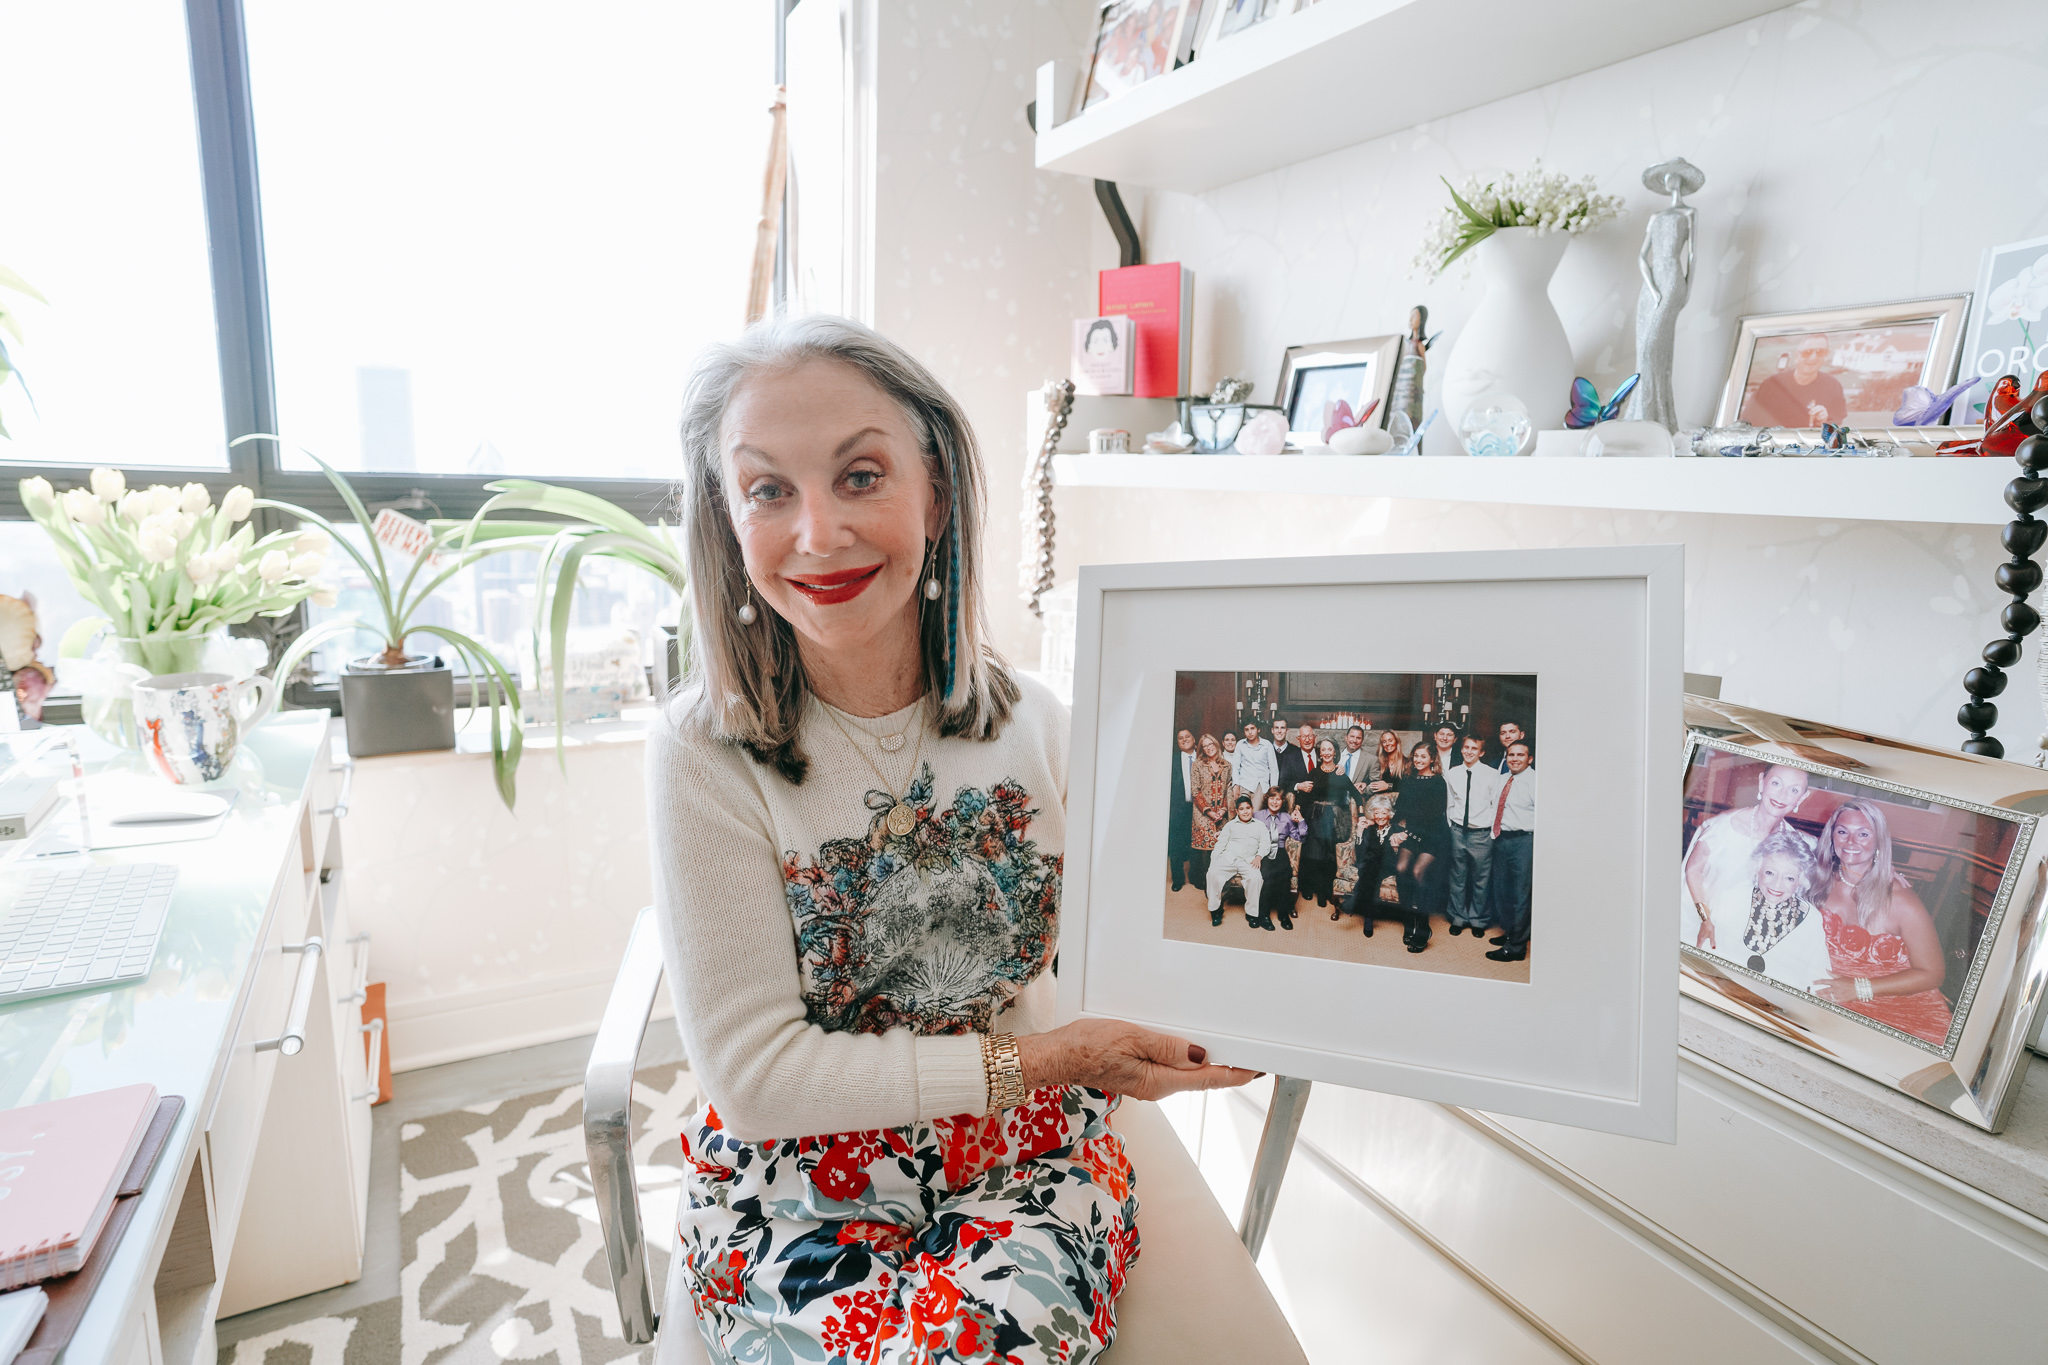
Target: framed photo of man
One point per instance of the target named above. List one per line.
(1331, 746)
(1874, 901)
(1840, 366)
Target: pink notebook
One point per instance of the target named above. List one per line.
(60, 1165)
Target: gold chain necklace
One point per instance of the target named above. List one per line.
(902, 817)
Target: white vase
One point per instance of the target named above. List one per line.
(1515, 342)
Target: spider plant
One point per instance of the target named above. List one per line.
(401, 595)
(589, 526)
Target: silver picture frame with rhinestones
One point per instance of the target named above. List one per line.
(1873, 901)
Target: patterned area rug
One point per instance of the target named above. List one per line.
(500, 1251)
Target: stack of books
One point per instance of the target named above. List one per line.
(75, 1168)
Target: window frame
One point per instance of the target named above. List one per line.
(232, 193)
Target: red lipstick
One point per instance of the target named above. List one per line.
(830, 589)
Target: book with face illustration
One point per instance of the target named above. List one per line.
(1103, 356)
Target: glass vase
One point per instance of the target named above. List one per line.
(106, 675)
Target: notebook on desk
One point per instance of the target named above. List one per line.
(65, 1163)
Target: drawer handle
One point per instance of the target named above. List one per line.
(361, 943)
(293, 1039)
(339, 810)
(375, 1028)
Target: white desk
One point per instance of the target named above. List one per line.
(263, 1137)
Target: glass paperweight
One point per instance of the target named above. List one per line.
(1495, 424)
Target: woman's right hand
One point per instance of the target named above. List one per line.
(1106, 1054)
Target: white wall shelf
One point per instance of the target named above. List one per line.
(1346, 71)
(1949, 491)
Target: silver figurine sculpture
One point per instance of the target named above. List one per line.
(1666, 263)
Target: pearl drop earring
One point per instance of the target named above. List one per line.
(932, 590)
(746, 613)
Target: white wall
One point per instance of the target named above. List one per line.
(493, 931)
(1855, 151)
(981, 263)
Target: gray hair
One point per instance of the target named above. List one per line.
(750, 680)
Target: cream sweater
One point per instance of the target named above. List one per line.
(828, 974)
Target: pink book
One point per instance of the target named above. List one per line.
(61, 1163)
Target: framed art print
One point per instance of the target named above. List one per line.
(1314, 378)
(1135, 41)
(1840, 366)
(1451, 699)
(2007, 334)
(1874, 901)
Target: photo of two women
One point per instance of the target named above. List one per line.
(1382, 818)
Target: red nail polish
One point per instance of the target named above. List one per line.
(1197, 1054)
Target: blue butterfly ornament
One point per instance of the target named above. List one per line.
(1587, 409)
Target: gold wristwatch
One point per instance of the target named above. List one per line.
(1004, 1070)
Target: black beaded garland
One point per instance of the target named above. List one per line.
(2020, 576)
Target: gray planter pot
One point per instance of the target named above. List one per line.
(398, 710)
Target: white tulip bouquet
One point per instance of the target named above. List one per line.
(167, 561)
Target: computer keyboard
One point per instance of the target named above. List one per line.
(82, 928)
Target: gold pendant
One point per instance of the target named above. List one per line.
(902, 819)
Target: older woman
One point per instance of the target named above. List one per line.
(857, 813)
(1716, 872)
(1882, 945)
(1373, 858)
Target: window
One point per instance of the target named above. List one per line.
(498, 234)
(492, 603)
(104, 215)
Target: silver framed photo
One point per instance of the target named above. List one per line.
(1314, 378)
(1840, 366)
(1874, 901)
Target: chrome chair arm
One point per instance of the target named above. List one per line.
(608, 1127)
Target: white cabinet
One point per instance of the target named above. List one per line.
(1770, 1232)
(303, 1225)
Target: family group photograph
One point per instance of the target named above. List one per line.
(1380, 818)
(1857, 895)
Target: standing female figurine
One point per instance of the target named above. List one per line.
(858, 820)
(1666, 263)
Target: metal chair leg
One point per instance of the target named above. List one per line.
(1276, 1145)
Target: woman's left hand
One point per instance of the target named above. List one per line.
(1123, 1059)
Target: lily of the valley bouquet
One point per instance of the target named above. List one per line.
(1545, 201)
(163, 561)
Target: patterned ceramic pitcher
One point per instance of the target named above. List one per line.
(191, 723)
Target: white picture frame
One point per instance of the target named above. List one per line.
(1591, 1039)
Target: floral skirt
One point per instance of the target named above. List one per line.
(995, 1238)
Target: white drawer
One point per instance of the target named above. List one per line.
(1887, 1260)
(1560, 1259)
(237, 1118)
